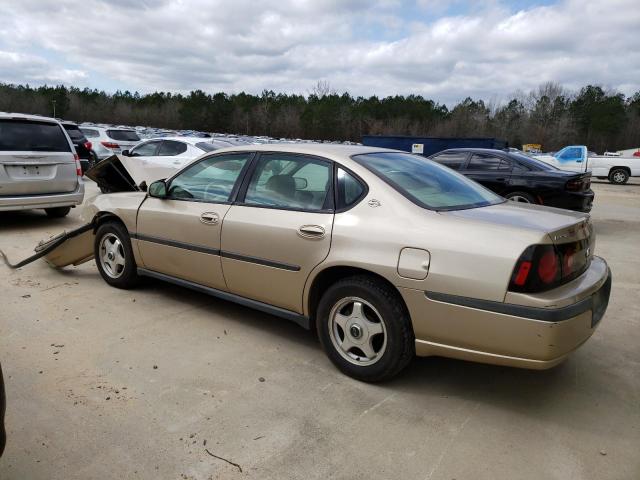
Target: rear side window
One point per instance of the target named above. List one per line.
(124, 135)
(487, 162)
(90, 132)
(453, 160)
(350, 189)
(19, 135)
(170, 148)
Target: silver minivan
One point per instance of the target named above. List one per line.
(39, 167)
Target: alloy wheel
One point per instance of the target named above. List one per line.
(112, 257)
(357, 331)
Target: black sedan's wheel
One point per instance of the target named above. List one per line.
(114, 256)
(618, 176)
(522, 197)
(365, 329)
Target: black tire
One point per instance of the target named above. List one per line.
(118, 276)
(57, 212)
(400, 340)
(522, 197)
(618, 176)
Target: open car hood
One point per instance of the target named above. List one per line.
(118, 174)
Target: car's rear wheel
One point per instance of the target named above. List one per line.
(365, 329)
(114, 256)
(522, 197)
(618, 176)
(57, 212)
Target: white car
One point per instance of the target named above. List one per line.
(109, 140)
(159, 158)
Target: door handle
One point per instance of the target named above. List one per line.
(209, 218)
(311, 231)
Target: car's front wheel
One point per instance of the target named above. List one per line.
(365, 329)
(114, 256)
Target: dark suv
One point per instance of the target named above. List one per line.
(83, 146)
(521, 178)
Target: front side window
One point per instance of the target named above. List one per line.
(481, 162)
(210, 180)
(426, 183)
(148, 149)
(453, 160)
(171, 148)
(290, 181)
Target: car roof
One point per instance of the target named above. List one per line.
(189, 140)
(474, 150)
(329, 150)
(24, 116)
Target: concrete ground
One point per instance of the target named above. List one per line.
(104, 383)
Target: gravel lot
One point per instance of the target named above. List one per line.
(104, 383)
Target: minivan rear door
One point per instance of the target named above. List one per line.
(36, 157)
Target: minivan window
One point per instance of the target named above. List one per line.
(32, 136)
(426, 183)
(123, 135)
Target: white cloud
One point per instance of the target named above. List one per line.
(287, 45)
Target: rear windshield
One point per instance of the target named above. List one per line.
(206, 146)
(21, 135)
(74, 132)
(532, 161)
(124, 135)
(426, 183)
(90, 132)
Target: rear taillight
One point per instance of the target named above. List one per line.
(110, 144)
(574, 185)
(88, 145)
(542, 267)
(78, 165)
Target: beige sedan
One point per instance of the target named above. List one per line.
(386, 254)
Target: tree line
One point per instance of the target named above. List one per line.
(549, 115)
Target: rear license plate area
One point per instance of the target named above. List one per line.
(25, 172)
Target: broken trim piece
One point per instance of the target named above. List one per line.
(44, 248)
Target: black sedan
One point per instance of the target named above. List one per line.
(521, 178)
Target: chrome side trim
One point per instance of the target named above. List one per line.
(247, 302)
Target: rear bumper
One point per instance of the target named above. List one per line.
(48, 200)
(530, 335)
(578, 201)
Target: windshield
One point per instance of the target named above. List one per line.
(427, 183)
(123, 135)
(32, 136)
(532, 161)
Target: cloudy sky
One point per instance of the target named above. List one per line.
(445, 50)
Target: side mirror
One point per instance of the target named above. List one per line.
(158, 189)
(301, 183)
(126, 153)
